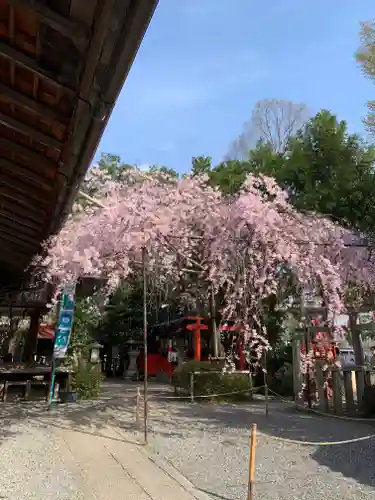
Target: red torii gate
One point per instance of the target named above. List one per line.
(196, 329)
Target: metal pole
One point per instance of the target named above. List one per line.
(145, 372)
(307, 347)
(52, 388)
(308, 375)
(265, 382)
(138, 402)
(213, 322)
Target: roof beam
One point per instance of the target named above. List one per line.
(33, 215)
(65, 26)
(32, 65)
(35, 134)
(17, 172)
(14, 227)
(40, 109)
(13, 260)
(19, 198)
(46, 166)
(102, 18)
(137, 19)
(21, 187)
(19, 220)
(12, 247)
(29, 246)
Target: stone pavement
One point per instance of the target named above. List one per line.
(113, 469)
(81, 452)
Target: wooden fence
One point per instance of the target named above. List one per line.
(341, 390)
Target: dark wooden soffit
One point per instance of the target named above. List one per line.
(62, 66)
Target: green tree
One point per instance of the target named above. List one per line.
(86, 320)
(330, 171)
(201, 165)
(324, 169)
(123, 316)
(113, 166)
(366, 58)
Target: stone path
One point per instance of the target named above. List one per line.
(79, 452)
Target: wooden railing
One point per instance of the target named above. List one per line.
(341, 390)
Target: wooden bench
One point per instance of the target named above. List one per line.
(11, 383)
(27, 384)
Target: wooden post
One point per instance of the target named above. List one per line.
(241, 354)
(323, 401)
(192, 387)
(356, 339)
(360, 384)
(27, 390)
(253, 438)
(197, 344)
(169, 354)
(196, 329)
(348, 388)
(336, 389)
(32, 335)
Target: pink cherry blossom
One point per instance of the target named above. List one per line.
(246, 246)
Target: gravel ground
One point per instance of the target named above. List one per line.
(209, 444)
(34, 463)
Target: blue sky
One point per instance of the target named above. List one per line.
(203, 65)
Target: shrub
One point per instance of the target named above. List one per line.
(87, 379)
(209, 381)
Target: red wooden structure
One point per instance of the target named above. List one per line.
(196, 328)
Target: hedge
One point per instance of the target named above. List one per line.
(208, 381)
(87, 380)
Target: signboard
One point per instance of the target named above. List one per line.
(26, 297)
(65, 323)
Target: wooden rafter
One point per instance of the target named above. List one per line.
(23, 200)
(31, 64)
(12, 259)
(61, 68)
(46, 166)
(15, 251)
(16, 171)
(33, 215)
(28, 245)
(68, 27)
(32, 132)
(19, 220)
(9, 94)
(25, 190)
(16, 228)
